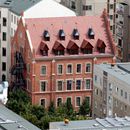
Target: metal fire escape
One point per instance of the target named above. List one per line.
(17, 71)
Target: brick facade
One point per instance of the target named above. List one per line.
(78, 86)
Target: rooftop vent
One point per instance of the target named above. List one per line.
(91, 33)
(76, 34)
(46, 35)
(96, 125)
(8, 2)
(61, 34)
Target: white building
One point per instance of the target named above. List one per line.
(4, 92)
(111, 90)
(10, 11)
(123, 30)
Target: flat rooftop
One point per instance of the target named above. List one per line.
(11, 121)
(120, 70)
(116, 123)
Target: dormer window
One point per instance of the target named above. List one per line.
(75, 34)
(86, 47)
(91, 33)
(61, 34)
(101, 46)
(72, 48)
(44, 49)
(46, 35)
(58, 49)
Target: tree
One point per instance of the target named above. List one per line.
(39, 111)
(69, 107)
(17, 101)
(51, 109)
(84, 108)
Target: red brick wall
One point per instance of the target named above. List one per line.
(35, 68)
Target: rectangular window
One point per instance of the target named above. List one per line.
(43, 102)
(88, 100)
(78, 68)
(4, 36)
(125, 95)
(87, 7)
(69, 69)
(14, 19)
(4, 21)
(111, 6)
(60, 85)
(60, 69)
(3, 51)
(59, 102)
(43, 70)
(88, 84)
(111, 17)
(116, 89)
(3, 66)
(43, 85)
(121, 92)
(95, 78)
(78, 84)
(78, 101)
(73, 5)
(69, 84)
(88, 67)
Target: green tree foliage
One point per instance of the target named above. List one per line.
(84, 108)
(69, 107)
(51, 109)
(19, 102)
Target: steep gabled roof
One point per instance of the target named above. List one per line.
(100, 26)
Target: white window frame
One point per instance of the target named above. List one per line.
(81, 84)
(76, 101)
(62, 69)
(46, 85)
(76, 69)
(45, 102)
(67, 68)
(71, 86)
(90, 67)
(69, 97)
(85, 83)
(57, 84)
(57, 100)
(41, 70)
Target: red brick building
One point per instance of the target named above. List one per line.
(59, 54)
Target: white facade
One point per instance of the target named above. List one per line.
(122, 30)
(113, 82)
(8, 28)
